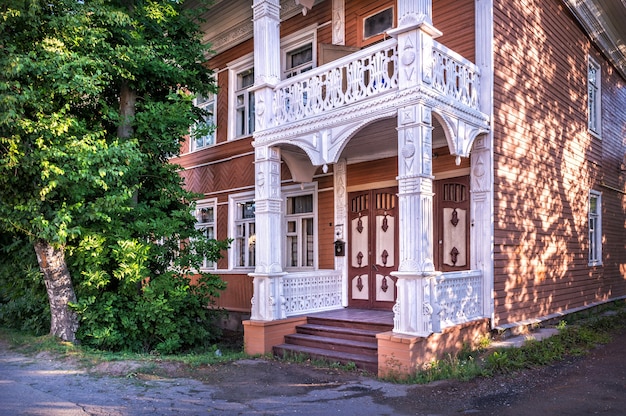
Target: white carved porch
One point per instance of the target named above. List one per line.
(413, 78)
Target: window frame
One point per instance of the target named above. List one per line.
(295, 191)
(363, 16)
(595, 230)
(295, 41)
(201, 204)
(594, 97)
(211, 101)
(233, 214)
(235, 68)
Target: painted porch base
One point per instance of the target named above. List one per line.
(400, 356)
(260, 336)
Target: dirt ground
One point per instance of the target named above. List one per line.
(592, 384)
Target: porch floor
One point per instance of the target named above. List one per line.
(370, 316)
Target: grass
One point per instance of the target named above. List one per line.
(577, 336)
(586, 332)
(28, 344)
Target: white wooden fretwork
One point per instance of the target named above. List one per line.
(459, 297)
(306, 292)
(454, 77)
(344, 82)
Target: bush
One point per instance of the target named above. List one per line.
(23, 298)
(125, 304)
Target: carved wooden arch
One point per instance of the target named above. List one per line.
(324, 147)
(460, 133)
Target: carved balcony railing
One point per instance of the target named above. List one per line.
(315, 291)
(356, 77)
(459, 298)
(366, 74)
(454, 76)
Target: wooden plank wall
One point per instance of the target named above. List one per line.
(546, 162)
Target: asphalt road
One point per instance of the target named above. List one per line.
(44, 385)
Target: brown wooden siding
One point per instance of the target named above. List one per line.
(374, 171)
(238, 293)
(455, 19)
(326, 229)
(545, 164)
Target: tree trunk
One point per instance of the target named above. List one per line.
(64, 321)
(128, 99)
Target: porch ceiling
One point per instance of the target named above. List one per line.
(380, 139)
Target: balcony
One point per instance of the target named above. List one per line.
(347, 93)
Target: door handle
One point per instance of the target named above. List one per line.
(374, 267)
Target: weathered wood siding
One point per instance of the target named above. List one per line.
(546, 162)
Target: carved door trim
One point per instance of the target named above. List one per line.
(451, 224)
(372, 248)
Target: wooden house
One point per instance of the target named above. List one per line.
(420, 171)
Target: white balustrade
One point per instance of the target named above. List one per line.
(315, 291)
(358, 76)
(366, 74)
(454, 76)
(459, 297)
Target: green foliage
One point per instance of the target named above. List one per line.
(111, 200)
(127, 303)
(23, 301)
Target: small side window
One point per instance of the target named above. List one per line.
(594, 95)
(595, 228)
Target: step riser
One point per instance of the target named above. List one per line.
(371, 351)
(338, 335)
(290, 351)
(346, 324)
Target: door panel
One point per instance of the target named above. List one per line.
(373, 243)
(452, 203)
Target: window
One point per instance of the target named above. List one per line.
(203, 134)
(374, 24)
(205, 221)
(241, 108)
(595, 228)
(300, 226)
(594, 97)
(244, 232)
(298, 52)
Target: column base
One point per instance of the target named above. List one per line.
(260, 336)
(401, 356)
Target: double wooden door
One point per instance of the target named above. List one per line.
(372, 248)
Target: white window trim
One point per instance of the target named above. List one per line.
(296, 190)
(598, 231)
(210, 202)
(597, 129)
(233, 200)
(192, 142)
(295, 41)
(234, 68)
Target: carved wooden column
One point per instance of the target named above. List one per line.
(267, 301)
(414, 306)
(266, 59)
